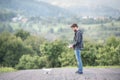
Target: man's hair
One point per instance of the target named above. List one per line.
(74, 25)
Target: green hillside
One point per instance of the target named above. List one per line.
(61, 30)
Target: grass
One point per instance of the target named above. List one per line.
(94, 67)
(10, 69)
(6, 69)
(102, 66)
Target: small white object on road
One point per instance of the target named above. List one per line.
(46, 71)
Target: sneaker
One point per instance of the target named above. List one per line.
(78, 72)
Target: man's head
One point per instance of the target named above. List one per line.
(74, 27)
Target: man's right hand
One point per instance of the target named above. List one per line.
(70, 46)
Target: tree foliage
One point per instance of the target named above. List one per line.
(22, 34)
(33, 52)
(53, 50)
(11, 49)
(109, 54)
(31, 62)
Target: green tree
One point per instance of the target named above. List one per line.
(11, 49)
(53, 50)
(89, 53)
(109, 54)
(5, 27)
(22, 34)
(67, 58)
(35, 42)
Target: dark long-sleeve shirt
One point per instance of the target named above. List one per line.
(78, 40)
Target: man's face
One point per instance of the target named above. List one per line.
(74, 29)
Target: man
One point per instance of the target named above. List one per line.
(77, 46)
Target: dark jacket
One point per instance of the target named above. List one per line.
(78, 40)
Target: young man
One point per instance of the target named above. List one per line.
(77, 46)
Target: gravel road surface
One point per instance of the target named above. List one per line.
(63, 74)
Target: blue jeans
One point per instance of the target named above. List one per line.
(79, 60)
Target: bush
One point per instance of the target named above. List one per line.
(53, 50)
(31, 62)
(11, 49)
(67, 58)
(109, 54)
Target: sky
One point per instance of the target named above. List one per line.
(68, 3)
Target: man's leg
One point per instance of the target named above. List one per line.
(79, 60)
